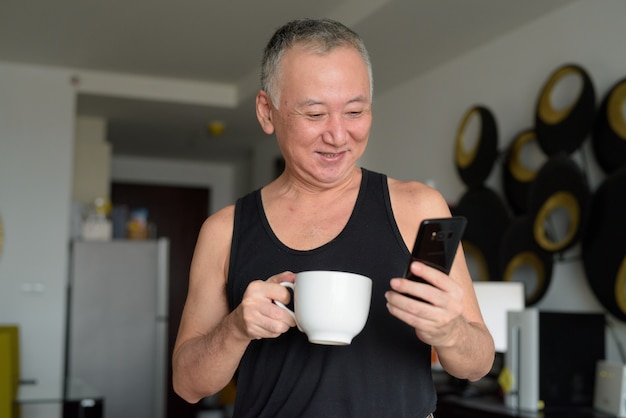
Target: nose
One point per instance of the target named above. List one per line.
(336, 131)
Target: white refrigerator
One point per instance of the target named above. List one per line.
(117, 324)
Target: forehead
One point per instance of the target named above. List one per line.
(304, 64)
(303, 51)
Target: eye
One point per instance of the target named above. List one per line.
(354, 114)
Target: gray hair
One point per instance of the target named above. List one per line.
(321, 35)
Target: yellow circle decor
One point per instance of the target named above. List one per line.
(557, 201)
(546, 110)
(487, 218)
(528, 259)
(559, 204)
(519, 171)
(616, 117)
(464, 156)
(476, 149)
(523, 260)
(563, 129)
(523, 160)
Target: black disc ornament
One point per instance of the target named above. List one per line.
(517, 174)
(604, 244)
(609, 133)
(559, 204)
(521, 259)
(475, 157)
(563, 129)
(487, 218)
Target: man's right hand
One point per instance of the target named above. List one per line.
(258, 316)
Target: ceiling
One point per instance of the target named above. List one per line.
(220, 43)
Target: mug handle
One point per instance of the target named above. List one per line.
(281, 305)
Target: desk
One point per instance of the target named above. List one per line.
(454, 406)
(460, 399)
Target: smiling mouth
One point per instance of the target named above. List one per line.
(328, 155)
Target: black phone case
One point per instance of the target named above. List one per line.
(437, 242)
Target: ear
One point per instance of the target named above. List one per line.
(264, 112)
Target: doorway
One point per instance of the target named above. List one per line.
(177, 213)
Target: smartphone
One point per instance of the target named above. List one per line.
(436, 243)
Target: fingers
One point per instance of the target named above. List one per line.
(260, 316)
(429, 276)
(415, 289)
(431, 307)
(265, 320)
(430, 322)
(411, 309)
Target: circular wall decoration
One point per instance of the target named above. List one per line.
(523, 160)
(521, 259)
(562, 127)
(609, 133)
(559, 204)
(487, 218)
(604, 246)
(476, 146)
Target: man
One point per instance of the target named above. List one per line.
(323, 212)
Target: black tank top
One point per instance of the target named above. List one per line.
(385, 372)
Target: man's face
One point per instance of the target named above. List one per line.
(324, 115)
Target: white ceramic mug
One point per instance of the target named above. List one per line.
(331, 307)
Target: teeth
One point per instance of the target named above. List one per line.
(329, 155)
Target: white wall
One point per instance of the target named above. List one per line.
(415, 125)
(36, 158)
(92, 161)
(265, 154)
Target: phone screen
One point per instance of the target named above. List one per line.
(437, 242)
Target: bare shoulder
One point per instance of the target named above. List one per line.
(212, 250)
(221, 222)
(412, 202)
(413, 196)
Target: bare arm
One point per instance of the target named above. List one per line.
(212, 340)
(451, 320)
